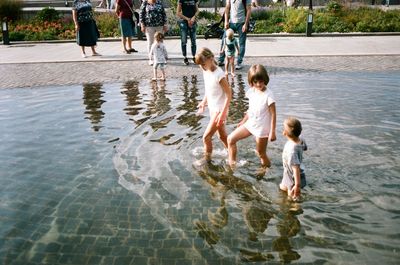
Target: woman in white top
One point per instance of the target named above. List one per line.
(260, 119)
(218, 95)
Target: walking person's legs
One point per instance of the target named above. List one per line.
(184, 32)
(221, 59)
(242, 45)
(192, 34)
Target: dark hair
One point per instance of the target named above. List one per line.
(293, 127)
(257, 72)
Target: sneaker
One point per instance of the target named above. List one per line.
(83, 55)
(186, 61)
(194, 60)
(150, 62)
(239, 66)
(221, 64)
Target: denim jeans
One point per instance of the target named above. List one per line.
(185, 31)
(237, 28)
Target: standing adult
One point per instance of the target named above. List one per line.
(124, 10)
(152, 18)
(237, 17)
(85, 26)
(187, 11)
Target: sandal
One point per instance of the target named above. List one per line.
(133, 50)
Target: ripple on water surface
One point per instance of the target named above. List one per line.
(65, 159)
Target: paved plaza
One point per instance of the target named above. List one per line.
(44, 64)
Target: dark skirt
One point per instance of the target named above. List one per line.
(87, 34)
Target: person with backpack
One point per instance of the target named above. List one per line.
(237, 17)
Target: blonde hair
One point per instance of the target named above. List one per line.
(158, 36)
(203, 55)
(229, 33)
(257, 72)
(293, 127)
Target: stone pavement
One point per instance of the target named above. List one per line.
(58, 63)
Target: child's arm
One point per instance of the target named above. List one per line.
(165, 53)
(272, 134)
(202, 105)
(223, 46)
(295, 190)
(228, 92)
(237, 47)
(245, 118)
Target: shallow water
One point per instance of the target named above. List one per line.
(103, 174)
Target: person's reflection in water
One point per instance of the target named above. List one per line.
(189, 105)
(239, 101)
(256, 219)
(256, 209)
(159, 104)
(288, 226)
(219, 218)
(92, 99)
(133, 98)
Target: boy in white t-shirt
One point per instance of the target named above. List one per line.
(292, 158)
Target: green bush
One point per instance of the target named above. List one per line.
(108, 24)
(334, 7)
(208, 15)
(295, 21)
(47, 14)
(10, 9)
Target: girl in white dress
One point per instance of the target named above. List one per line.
(260, 119)
(217, 97)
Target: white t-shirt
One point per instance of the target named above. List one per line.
(158, 53)
(259, 121)
(215, 94)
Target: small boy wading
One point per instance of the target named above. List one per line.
(292, 157)
(230, 46)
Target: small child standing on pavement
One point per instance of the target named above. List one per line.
(260, 119)
(217, 96)
(292, 157)
(229, 47)
(158, 53)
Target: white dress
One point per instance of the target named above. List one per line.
(259, 116)
(215, 94)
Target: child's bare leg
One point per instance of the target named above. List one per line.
(227, 66)
(154, 73)
(162, 74)
(261, 147)
(232, 65)
(223, 136)
(238, 134)
(207, 137)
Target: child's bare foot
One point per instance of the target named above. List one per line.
(233, 74)
(226, 73)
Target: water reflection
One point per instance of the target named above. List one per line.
(239, 101)
(92, 99)
(288, 226)
(188, 108)
(133, 98)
